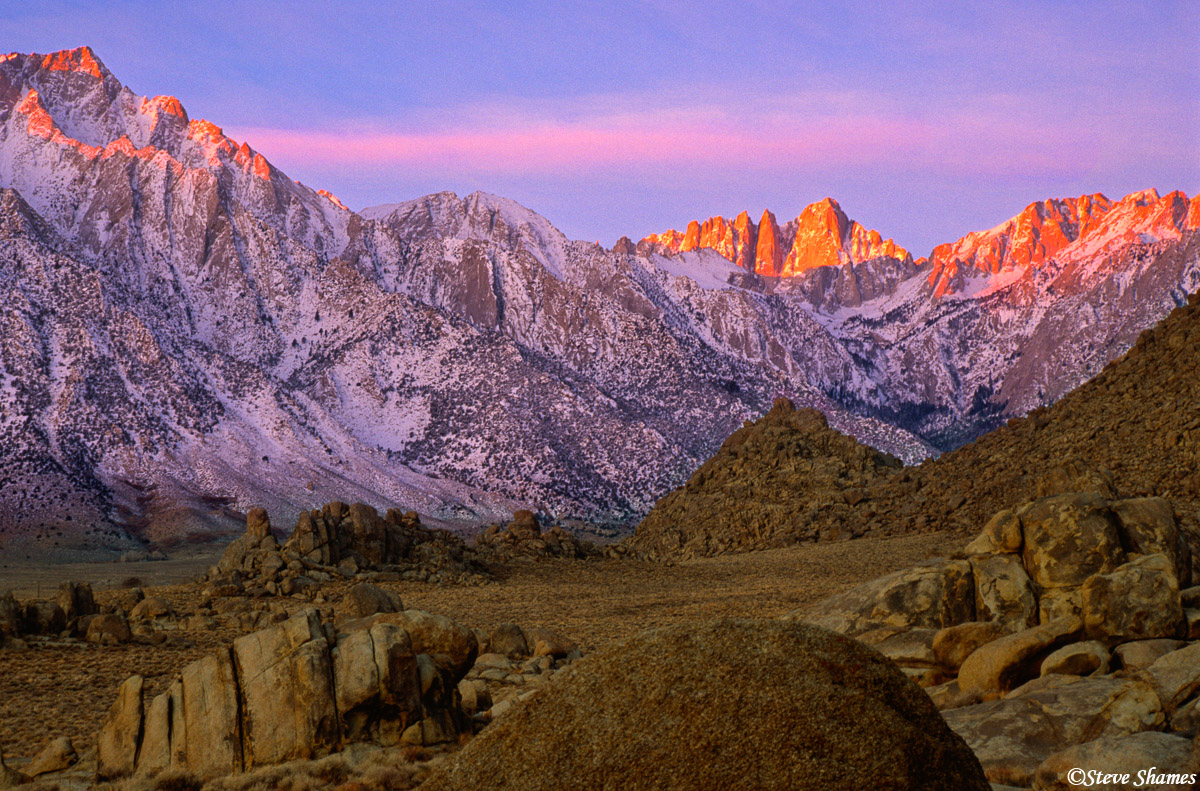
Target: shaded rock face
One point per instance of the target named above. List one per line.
(1142, 757)
(934, 595)
(1014, 735)
(299, 689)
(620, 717)
(786, 478)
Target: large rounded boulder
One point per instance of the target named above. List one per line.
(729, 704)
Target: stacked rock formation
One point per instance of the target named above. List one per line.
(377, 674)
(295, 690)
(1067, 620)
(523, 538)
(785, 478)
(728, 704)
(342, 540)
(73, 613)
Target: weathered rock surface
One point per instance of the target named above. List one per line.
(1068, 538)
(933, 596)
(1148, 527)
(108, 629)
(117, 744)
(296, 690)
(508, 639)
(1136, 601)
(58, 754)
(1014, 735)
(1003, 591)
(1175, 676)
(1142, 758)
(952, 645)
(1005, 663)
(1140, 654)
(620, 716)
(1077, 659)
(365, 599)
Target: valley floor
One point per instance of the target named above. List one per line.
(65, 687)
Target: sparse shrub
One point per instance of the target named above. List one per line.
(176, 781)
(131, 582)
(414, 753)
(332, 770)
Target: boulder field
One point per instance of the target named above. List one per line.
(1066, 629)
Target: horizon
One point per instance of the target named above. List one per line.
(952, 123)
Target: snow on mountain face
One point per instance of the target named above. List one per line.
(187, 332)
(1002, 321)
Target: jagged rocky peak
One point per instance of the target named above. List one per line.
(72, 93)
(1049, 229)
(71, 99)
(822, 235)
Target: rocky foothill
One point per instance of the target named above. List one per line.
(788, 477)
(1066, 634)
(785, 478)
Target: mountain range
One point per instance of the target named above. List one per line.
(185, 331)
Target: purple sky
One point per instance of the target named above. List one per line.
(610, 118)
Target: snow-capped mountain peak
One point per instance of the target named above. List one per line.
(186, 332)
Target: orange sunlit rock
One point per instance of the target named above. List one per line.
(768, 255)
(334, 200)
(81, 59)
(821, 236)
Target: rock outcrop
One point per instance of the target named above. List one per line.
(729, 704)
(785, 478)
(1063, 623)
(343, 540)
(299, 689)
(524, 538)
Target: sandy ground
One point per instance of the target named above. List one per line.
(31, 580)
(62, 687)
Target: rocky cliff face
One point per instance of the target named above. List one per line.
(186, 332)
(822, 235)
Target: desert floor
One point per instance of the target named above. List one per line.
(64, 687)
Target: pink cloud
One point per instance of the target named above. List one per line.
(858, 132)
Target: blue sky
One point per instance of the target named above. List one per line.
(925, 120)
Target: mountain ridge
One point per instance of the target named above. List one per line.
(189, 332)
